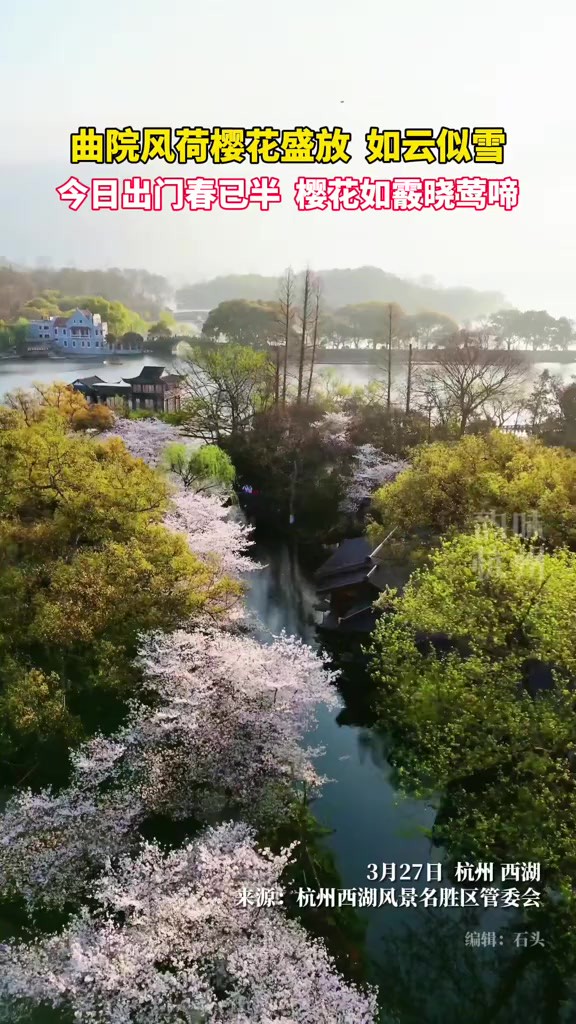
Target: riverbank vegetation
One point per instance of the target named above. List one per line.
(150, 742)
(187, 783)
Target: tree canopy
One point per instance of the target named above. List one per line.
(487, 718)
(224, 387)
(86, 565)
(448, 484)
(244, 322)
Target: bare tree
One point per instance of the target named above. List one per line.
(305, 324)
(317, 289)
(287, 313)
(468, 375)
(409, 379)
(388, 393)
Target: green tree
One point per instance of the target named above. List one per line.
(370, 321)
(531, 328)
(426, 328)
(244, 323)
(490, 721)
(224, 387)
(86, 565)
(200, 469)
(14, 337)
(298, 467)
(448, 484)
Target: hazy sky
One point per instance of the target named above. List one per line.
(64, 63)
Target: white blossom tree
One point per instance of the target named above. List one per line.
(213, 531)
(334, 427)
(145, 439)
(223, 735)
(170, 939)
(372, 470)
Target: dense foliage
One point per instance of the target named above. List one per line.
(475, 672)
(86, 565)
(139, 290)
(449, 484)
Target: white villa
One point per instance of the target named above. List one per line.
(83, 333)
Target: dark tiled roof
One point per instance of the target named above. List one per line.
(361, 623)
(356, 610)
(148, 374)
(336, 581)
(111, 389)
(353, 552)
(89, 381)
(389, 574)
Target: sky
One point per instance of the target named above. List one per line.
(416, 64)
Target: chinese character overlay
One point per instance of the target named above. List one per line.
(311, 194)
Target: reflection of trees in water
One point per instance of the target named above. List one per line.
(282, 596)
(429, 976)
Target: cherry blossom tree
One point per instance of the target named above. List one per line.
(145, 439)
(334, 427)
(171, 938)
(372, 470)
(213, 531)
(223, 735)
(164, 937)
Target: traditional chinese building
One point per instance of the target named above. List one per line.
(96, 390)
(156, 389)
(350, 581)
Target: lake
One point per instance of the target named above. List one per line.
(23, 373)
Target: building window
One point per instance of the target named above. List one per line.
(65, 344)
(73, 344)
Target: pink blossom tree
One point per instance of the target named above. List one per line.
(214, 532)
(170, 938)
(372, 469)
(144, 439)
(223, 736)
(164, 937)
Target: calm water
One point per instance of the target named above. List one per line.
(26, 372)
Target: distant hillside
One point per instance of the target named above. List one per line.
(348, 287)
